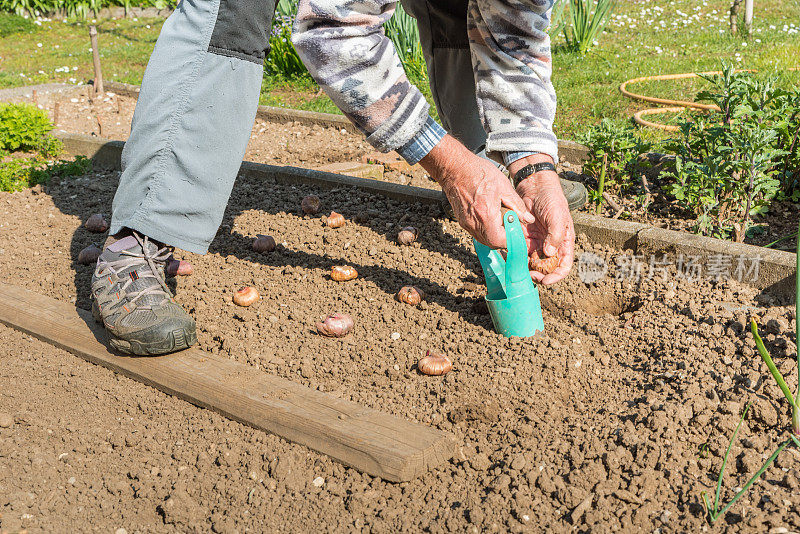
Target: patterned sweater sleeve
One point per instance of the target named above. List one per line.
(512, 62)
(346, 51)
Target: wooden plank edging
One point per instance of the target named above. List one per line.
(377, 443)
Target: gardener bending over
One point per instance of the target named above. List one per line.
(198, 102)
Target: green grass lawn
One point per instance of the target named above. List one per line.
(644, 38)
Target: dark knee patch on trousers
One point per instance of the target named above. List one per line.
(447, 19)
(242, 29)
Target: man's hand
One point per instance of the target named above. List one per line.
(476, 190)
(552, 231)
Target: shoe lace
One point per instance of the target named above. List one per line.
(135, 259)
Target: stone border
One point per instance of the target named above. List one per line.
(776, 268)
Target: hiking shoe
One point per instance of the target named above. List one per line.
(131, 298)
(575, 192)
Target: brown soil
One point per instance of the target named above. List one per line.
(614, 420)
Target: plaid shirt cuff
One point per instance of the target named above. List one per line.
(427, 138)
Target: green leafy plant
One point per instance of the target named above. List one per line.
(557, 17)
(283, 59)
(287, 8)
(713, 509)
(585, 23)
(21, 173)
(616, 148)
(731, 163)
(23, 127)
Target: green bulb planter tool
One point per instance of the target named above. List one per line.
(511, 296)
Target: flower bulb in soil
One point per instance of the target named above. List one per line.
(264, 243)
(410, 295)
(407, 235)
(335, 220)
(96, 223)
(336, 325)
(310, 205)
(89, 255)
(434, 364)
(179, 268)
(245, 296)
(343, 273)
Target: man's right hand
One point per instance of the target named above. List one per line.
(476, 190)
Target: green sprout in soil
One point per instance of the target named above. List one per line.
(714, 512)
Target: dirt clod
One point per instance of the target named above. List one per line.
(6, 420)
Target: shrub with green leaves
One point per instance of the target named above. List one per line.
(730, 164)
(23, 127)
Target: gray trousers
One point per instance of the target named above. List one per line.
(198, 103)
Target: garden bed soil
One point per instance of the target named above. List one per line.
(614, 419)
(315, 146)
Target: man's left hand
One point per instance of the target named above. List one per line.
(553, 232)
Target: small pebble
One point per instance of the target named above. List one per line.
(71, 481)
(318, 482)
(395, 335)
(6, 420)
(120, 531)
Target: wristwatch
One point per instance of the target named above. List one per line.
(527, 170)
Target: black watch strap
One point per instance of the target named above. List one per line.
(527, 170)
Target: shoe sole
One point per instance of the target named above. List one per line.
(174, 341)
(581, 196)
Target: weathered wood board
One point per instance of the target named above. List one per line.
(374, 442)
